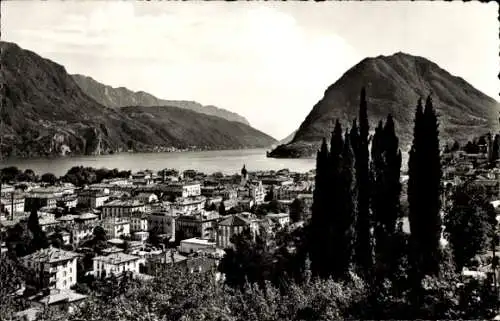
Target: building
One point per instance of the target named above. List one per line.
(12, 205)
(202, 225)
(146, 198)
(116, 227)
(195, 244)
(141, 236)
(281, 219)
(48, 223)
(307, 200)
(142, 178)
(139, 222)
(162, 223)
(81, 232)
(86, 218)
(189, 204)
(183, 189)
(54, 268)
(36, 201)
(115, 264)
(68, 201)
(93, 198)
(119, 208)
(233, 225)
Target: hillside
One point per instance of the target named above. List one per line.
(122, 97)
(394, 84)
(45, 113)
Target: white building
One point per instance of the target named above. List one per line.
(139, 223)
(81, 232)
(282, 219)
(183, 189)
(195, 244)
(115, 264)
(189, 205)
(8, 204)
(55, 268)
(116, 227)
(93, 198)
(119, 208)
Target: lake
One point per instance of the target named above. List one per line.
(226, 161)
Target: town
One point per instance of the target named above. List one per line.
(144, 221)
(136, 223)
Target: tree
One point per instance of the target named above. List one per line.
(222, 209)
(495, 150)
(318, 228)
(363, 246)
(467, 225)
(424, 197)
(49, 178)
(269, 195)
(297, 210)
(386, 208)
(99, 234)
(40, 240)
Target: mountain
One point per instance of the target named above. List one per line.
(44, 113)
(121, 97)
(393, 85)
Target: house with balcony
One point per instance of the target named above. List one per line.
(54, 268)
(183, 189)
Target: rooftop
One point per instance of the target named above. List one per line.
(51, 255)
(117, 258)
(234, 220)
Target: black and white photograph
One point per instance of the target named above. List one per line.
(249, 160)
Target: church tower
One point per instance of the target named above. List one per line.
(244, 175)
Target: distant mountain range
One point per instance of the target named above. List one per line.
(393, 85)
(123, 97)
(45, 113)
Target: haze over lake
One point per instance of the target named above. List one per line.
(226, 161)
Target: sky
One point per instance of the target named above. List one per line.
(268, 61)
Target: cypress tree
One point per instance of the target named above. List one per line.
(317, 228)
(386, 169)
(335, 201)
(432, 172)
(40, 240)
(363, 247)
(347, 215)
(424, 188)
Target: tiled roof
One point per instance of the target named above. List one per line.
(117, 258)
(51, 255)
(234, 220)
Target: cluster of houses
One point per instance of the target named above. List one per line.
(149, 220)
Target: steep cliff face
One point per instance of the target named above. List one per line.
(123, 97)
(394, 84)
(44, 112)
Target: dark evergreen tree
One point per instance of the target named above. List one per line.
(363, 246)
(424, 192)
(222, 209)
(39, 240)
(335, 205)
(347, 211)
(318, 230)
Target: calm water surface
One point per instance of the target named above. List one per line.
(227, 161)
